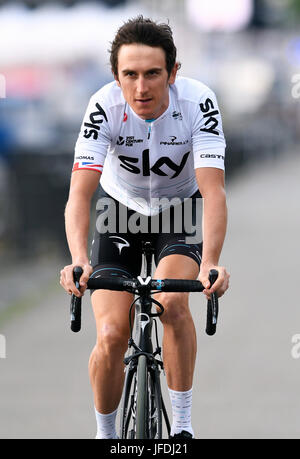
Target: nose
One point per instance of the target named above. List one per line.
(141, 86)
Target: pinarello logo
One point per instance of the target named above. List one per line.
(125, 117)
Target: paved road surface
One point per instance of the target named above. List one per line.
(247, 384)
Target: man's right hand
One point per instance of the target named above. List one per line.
(67, 280)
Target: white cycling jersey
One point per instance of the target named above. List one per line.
(141, 161)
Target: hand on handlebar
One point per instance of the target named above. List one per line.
(67, 278)
(221, 284)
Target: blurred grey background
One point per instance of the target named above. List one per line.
(53, 57)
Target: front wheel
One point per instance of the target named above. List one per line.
(148, 401)
(141, 407)
(142, 400)
(127, 413)
(155, 405)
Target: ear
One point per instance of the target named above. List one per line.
(117, 79)
(173, 74)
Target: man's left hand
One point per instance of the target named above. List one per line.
(221, 284)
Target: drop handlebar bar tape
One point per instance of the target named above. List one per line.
(181, 285)
(107, 283)
(75, 308)
(212, 307)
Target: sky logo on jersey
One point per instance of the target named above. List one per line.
(93, 127)
(128, 163)
(211, 122)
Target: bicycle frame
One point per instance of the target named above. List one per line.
(143, 344)
(143, 315)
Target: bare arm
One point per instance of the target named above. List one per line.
(211, 186)
(77, 219)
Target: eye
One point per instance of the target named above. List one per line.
(153, 72)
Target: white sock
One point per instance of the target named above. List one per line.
(106, 425)
(182, 411)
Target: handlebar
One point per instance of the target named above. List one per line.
(75, 308)
(135, 286)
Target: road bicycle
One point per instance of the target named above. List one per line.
(142, 406)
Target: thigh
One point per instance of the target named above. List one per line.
(177, 266)
(111, 246)
(172, 244)
(116, 250)
(176, 304)
(111, 312)
(176, 234)
(176, 259)
(113, 254)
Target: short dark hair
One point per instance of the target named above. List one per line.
(147, 32)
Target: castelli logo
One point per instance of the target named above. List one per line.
(125, 117)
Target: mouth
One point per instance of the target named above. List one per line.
(143, 101)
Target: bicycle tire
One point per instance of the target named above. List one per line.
(142, 413)
(128, 404)
(155, 406)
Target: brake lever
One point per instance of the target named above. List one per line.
(75, 307)
(212, 306)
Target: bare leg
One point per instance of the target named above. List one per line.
(179, 342)
(106, 368)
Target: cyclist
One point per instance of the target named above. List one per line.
(148, 134)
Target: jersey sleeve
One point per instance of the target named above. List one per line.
(94, 138)
(207, 135)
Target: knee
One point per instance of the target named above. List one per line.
(176, 309)
(112, 339)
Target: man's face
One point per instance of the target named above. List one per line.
(143, 78)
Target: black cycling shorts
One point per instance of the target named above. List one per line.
(117, 245)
